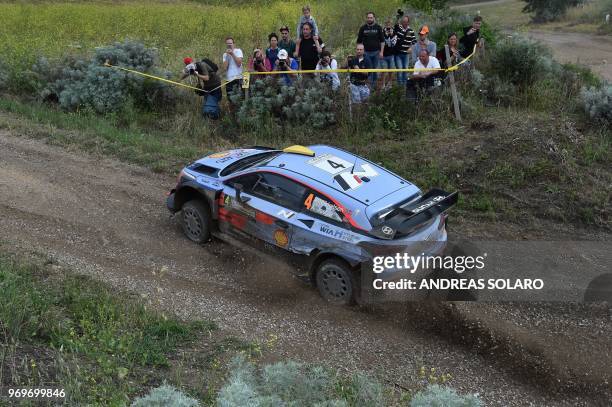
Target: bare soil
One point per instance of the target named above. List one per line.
(108, 219)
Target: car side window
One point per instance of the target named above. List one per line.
(274, 188)
(316, 204)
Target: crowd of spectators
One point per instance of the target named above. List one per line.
(396, 45)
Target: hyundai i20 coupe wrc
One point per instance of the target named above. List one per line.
(326, 211)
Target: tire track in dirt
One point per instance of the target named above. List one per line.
(107, 219)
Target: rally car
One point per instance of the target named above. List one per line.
(325, 210)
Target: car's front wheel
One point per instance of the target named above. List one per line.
(336, 282)
(195, 221)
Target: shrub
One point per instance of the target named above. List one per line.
(520, 61)
(598, 103)
(427, 6)
(455, 23)
(548, 10)
(292, 383)
(306, 101)
(77, 83)
(439, 396)
(165, 396)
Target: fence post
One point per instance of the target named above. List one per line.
(451, 75)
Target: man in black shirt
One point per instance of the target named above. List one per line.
(372, 36)
(470, 38)
(359, 81)
(210, 83)
(308, 48)
(403, 48)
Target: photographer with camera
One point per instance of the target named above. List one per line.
(208, 81)
(327, 63)
(259, 63)
(232, 64)
(285, 63)
(388, 61)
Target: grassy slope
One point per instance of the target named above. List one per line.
(62, 330)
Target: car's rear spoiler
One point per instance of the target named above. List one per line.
(408, 216)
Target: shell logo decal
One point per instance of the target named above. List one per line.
(281, 238)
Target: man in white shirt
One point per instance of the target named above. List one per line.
(232, 64)
(327, 63)
(427, 69)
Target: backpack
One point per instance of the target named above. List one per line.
(211, 64)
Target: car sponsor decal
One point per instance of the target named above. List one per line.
(354, 179)
(220, 154)
(337, 233)
(285, 213)
(235, 219)
(322, 207)
(227, 200)
(281, 238)
(330, 163)
(264, 218)
(428, 204)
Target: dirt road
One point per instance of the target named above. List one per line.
(107, 219)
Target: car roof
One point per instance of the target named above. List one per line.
(342, 171)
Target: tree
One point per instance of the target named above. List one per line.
(548, 10)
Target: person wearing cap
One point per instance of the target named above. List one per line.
(209, 83)
(372, 36)
(286, 42)
(423, 43)
(427, 68)
(285, 63)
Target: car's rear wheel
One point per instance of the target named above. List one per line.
(195, 221)
(336, 282)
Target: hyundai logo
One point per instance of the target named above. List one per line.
(387, 230)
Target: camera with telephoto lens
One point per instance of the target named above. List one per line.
(282, 63)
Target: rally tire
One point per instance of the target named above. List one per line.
(336, 282)
(196, 220)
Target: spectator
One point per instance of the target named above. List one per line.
(423, 43)
(272, 51)
(232, 64)
(372, 37)
(189, 70)
(453, 49)
(306, 18)
(388, 61)
(286, 43)
(360, 92)
(405, 40)
(327, 63)
(308, 48)
(471, 36)
(259, 63)
(285, 63)
(210, 83)
(423, 79)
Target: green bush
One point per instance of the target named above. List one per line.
(306, 101)
(520, 61)
(439, 396)
(454, 22)
(165, 396)
(87, 84)
(597, 103)
(292, 383)
(548, 10)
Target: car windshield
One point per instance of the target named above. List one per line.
(250, 161)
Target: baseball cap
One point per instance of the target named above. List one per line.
(187, 60)
(424, 30)
(283, 54)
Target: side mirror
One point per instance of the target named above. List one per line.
(239, 197)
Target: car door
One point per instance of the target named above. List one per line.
(269, 204)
